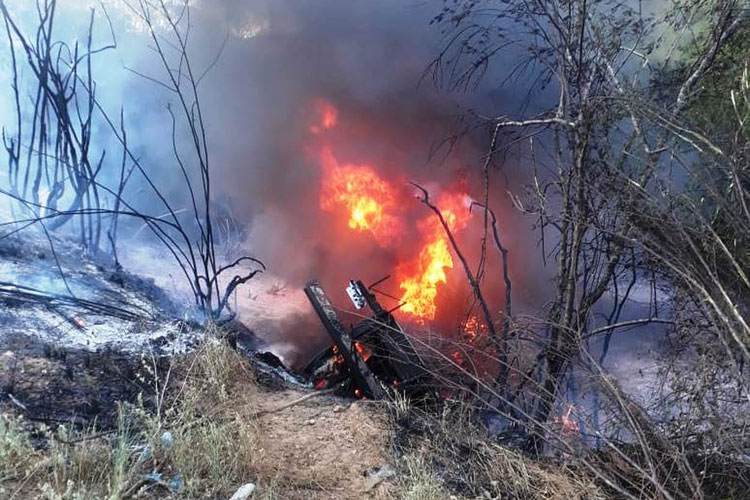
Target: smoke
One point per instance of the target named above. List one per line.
(269, 63)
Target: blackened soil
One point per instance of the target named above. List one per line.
(55, 386)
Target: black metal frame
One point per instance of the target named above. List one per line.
(393, 361)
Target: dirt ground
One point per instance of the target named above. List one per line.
(60, 364)
(323, 447)
(56, 385)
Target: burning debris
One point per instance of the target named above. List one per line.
(372, 356)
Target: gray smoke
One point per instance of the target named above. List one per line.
(366, 58)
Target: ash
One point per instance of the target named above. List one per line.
(70, 300)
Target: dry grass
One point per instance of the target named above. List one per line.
(419, 481)
(212, 436)
(193, 435)
(195, 440)
(16, 452)
(197, 433)
(454, 459)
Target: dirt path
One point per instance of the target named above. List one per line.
(321, 448)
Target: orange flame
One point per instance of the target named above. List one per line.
(420, 285)
(328, 116)
(569, 427)
(362, 350)
(457, 358)
(373, 205)
(474, 329)
(368, 199)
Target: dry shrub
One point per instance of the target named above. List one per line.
(215, 374)
(452, 456)
(212, 437)
(85, 464)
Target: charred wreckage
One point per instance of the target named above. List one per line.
(371, 357)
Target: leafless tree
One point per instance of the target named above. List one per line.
(66, 92)
(606, 214)
(55, 154)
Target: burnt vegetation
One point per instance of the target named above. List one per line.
(51, 152)
(638, 183)
(635, 181)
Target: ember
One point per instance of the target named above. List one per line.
(458, 358)
(474, 329)
(362, 350)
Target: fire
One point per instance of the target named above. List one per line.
(375, 206)
(474, 329)
(458, 358)
(362, 350)
(569, 427)
(421, 279)
(420, 290)
(338, 358)
(328, 116)
(368, 199)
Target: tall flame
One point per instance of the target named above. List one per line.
(420, 279)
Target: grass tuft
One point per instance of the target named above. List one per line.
(451, 457)
(16, 452)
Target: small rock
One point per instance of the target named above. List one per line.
(311, 422)
(376, 475)
(338, 409)
(244, 492)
